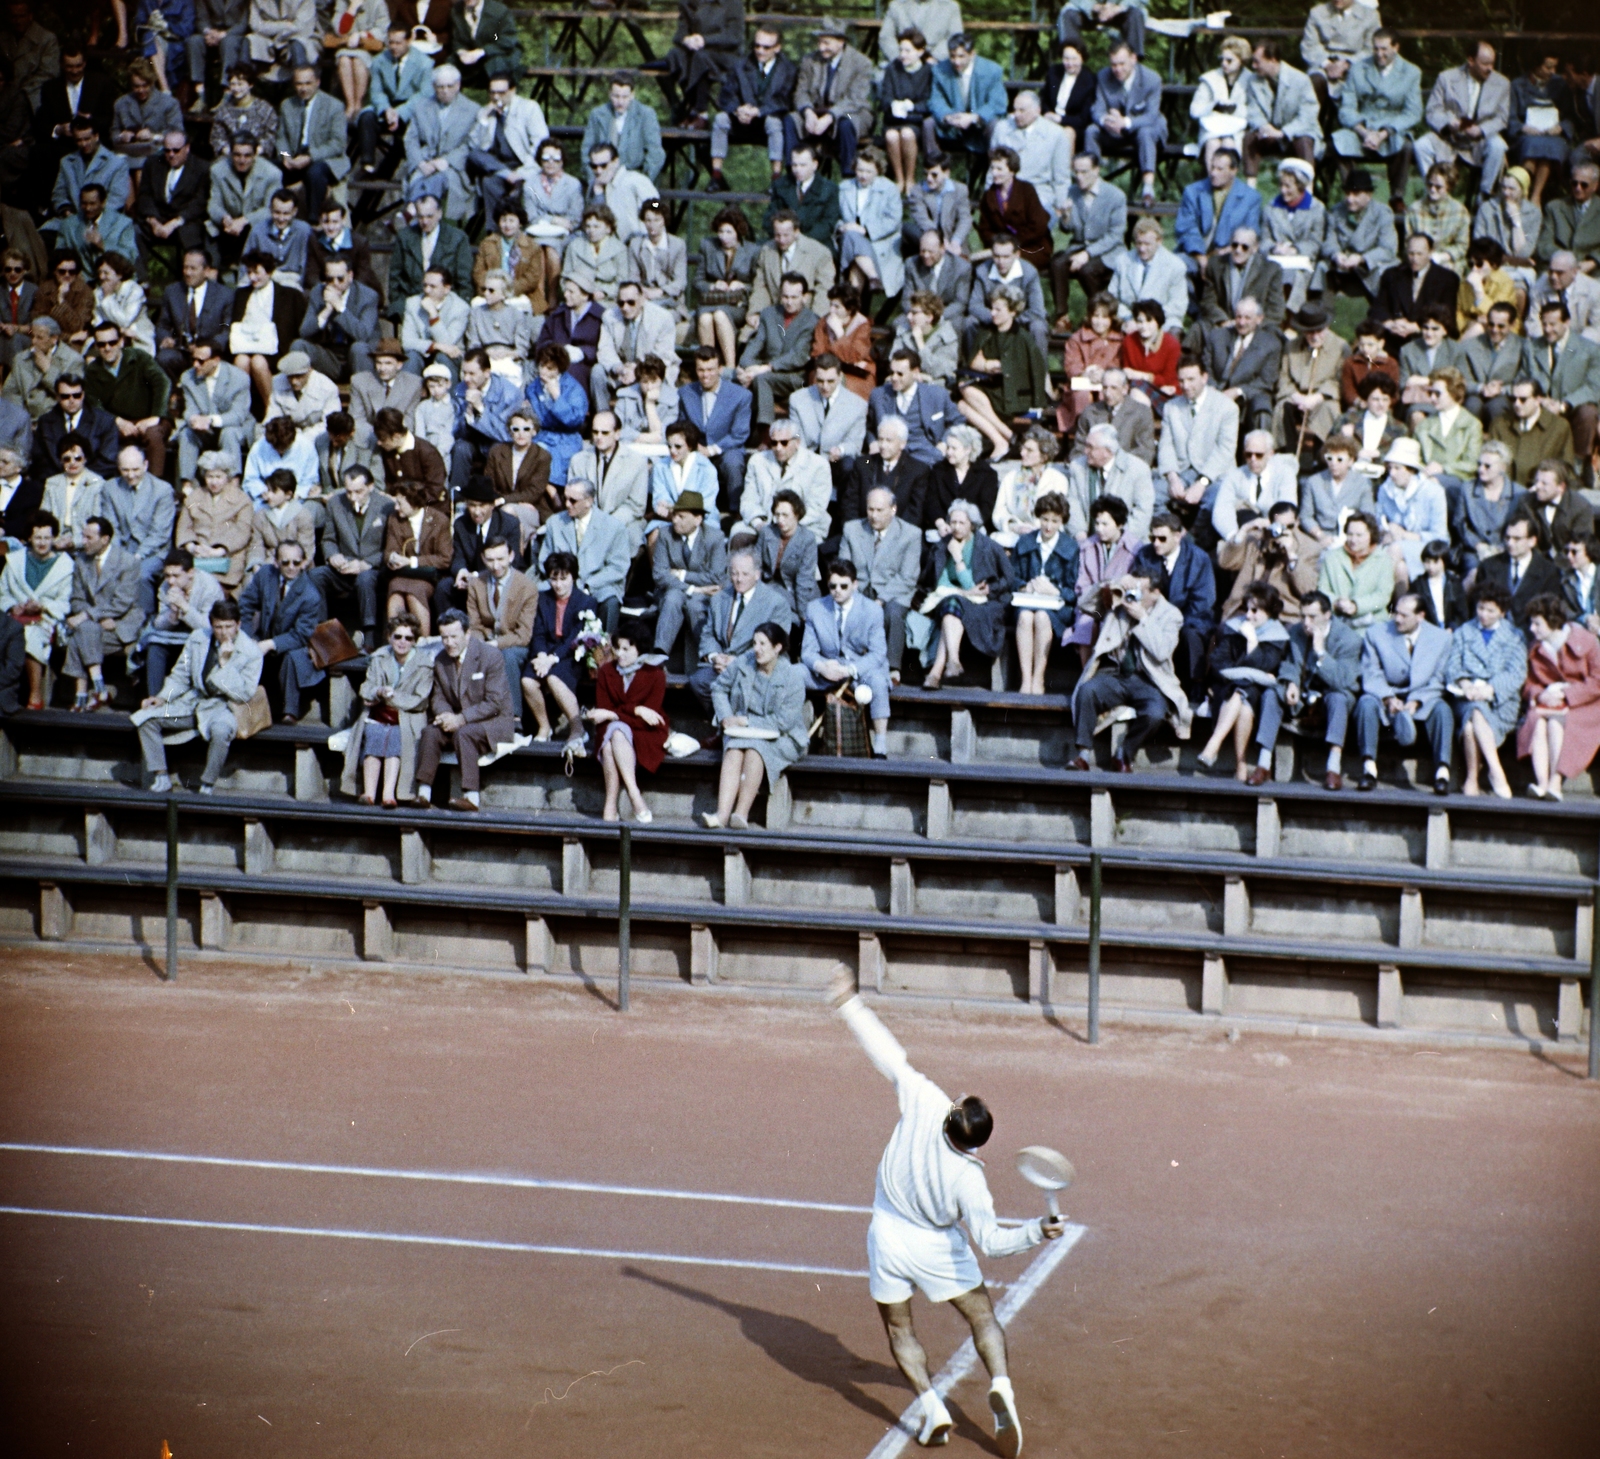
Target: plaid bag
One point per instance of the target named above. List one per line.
(843, 725)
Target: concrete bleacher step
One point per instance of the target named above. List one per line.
(945, 872)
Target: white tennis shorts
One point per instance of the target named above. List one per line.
(900, 1256)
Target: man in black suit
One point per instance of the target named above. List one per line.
(335, 238)
(197, 308)
(172, 197)
(1408, 290)
(19, 496)
(757, 93)
(1522, 572)
(893, 468)
(1242, 360)
(480, 524)
(76, 91)
(73, 412)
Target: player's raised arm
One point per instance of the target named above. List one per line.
(881, 1046)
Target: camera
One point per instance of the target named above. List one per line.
(1130, 595)
(1277, 527)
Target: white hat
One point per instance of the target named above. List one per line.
(1301, 168)
(1405, 452)
(437, 372)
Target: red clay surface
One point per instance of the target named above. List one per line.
(1294, 1248)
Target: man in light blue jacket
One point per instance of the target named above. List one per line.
(969, 97)
(1402, 690)
(1379, 108)
(400, 77)
(1202, 226)
(845, 643)
(599, 542)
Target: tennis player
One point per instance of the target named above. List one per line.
(929, 1181)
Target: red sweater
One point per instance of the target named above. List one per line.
(1163, 364)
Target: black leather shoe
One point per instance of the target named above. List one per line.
(1441, 785)
(1367, 781)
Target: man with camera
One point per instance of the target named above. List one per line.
(1273, 549)
(1131, 665)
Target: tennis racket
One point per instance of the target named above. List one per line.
(1047, 1169)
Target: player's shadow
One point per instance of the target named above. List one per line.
(804, 1349)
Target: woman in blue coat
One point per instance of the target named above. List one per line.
(561, 405)
(552, 663)
(1484, 675)
(1047, 563)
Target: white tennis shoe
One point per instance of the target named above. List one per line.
(1007, 1424)
(936, 1421)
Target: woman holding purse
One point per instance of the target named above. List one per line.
(416, 549)
(357, 30)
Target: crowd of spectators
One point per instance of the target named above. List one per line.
(530, 465)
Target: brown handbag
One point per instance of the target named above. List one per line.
(253, 716)
(331, 645)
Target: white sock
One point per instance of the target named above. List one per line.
(471, 795)
(1335, 758)
(1369, 767)
(1001, 1385)
(1264, 759)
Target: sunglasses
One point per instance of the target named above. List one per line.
(71, 394)
(14, 268)
(1241, 247)
(1255, 455)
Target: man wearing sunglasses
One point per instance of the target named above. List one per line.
(17, 294)
(74, 415)
(171, 209)
(757, 93)
(67, 299)
(1236, 269)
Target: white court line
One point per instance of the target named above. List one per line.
(511, 1182)
(965, 1357)
(407, 1239)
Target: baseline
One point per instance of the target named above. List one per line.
(965, 1357)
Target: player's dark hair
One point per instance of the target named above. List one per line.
(969, 1123)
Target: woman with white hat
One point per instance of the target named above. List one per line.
(1294, 225)
(1412, 510)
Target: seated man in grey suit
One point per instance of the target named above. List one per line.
(352, 549)
(104, 616)
(832, 421)
(773, 364)
(341, 323)
(216, 410)
(844, 643)
(735, 614)
(1402, 689)
(887, 553)
(935, 270)
(687, 567)
(599, 542)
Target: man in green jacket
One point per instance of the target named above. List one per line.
(135, 389)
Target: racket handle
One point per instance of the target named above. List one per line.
(1054, 1204)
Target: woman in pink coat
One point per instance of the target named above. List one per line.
(1103, 557)
(1561, 729)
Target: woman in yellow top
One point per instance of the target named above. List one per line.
(1486, 283)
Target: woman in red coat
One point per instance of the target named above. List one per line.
(1150, 355)
(846, 333)
(1561, 729)
(1010, 207)
(1091, 349)
(628, 695)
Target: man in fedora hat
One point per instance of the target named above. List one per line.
(688, 565)
(1361, 241)
(1307, 406)
(833, 96)
(383, 385)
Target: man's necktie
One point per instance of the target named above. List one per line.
(172, 182)
(194, 313)
(494, 598)
(733, 616)
(838, 625)
(305, 128)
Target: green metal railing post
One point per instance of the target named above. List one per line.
(1094, 947)
(172, 888)
(625, 918)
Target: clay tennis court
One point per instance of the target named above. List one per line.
(1290, 1247)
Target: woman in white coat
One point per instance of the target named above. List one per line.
(394, 712)
(1218, 103)
(870, 212)
(36, 589)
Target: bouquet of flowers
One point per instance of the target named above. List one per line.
(594, 645)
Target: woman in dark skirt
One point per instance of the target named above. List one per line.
(1047, 562)
(728, 262)
(552, 664)
(971, 595)
(416, 549)
(1068, 95)
(1008, 376)
(1244, 665)
(904, 95)
(629, 692)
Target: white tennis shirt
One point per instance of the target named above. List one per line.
(922, 1178)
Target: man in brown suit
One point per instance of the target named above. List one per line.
(519, 469)
(500, 606)
(1532, 433)
(470, 709)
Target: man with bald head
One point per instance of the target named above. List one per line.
(173, 193)
(887, 553)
